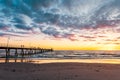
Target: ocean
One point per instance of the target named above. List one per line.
(82, 54)
(73, 54)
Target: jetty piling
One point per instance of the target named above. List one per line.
(24, 51)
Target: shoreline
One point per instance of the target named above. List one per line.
(54, 60)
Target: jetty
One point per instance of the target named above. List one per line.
(22, 51)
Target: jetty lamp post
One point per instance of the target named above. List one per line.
(8, 41)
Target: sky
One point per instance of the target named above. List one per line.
(61, 24)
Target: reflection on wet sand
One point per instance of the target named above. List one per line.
(41, 61)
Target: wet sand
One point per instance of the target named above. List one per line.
(59, 71)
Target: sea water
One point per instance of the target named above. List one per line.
(86, 56)
(73, 54)
(81, 54)
(58, 56)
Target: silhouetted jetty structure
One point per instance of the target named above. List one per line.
(23, 51)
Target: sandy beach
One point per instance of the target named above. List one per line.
(59, 71)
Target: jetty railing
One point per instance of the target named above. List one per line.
(22, 51)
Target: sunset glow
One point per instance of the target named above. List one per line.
(61, 24)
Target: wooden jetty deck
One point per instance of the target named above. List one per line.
(23, 51)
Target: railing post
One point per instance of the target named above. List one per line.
(7, 55)
(16, 55)
(22, 52)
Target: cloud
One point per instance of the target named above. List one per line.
(51, 31)
(22, 26)
(3, 27)
(58, 18)
(3, 34)
(87, 36)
